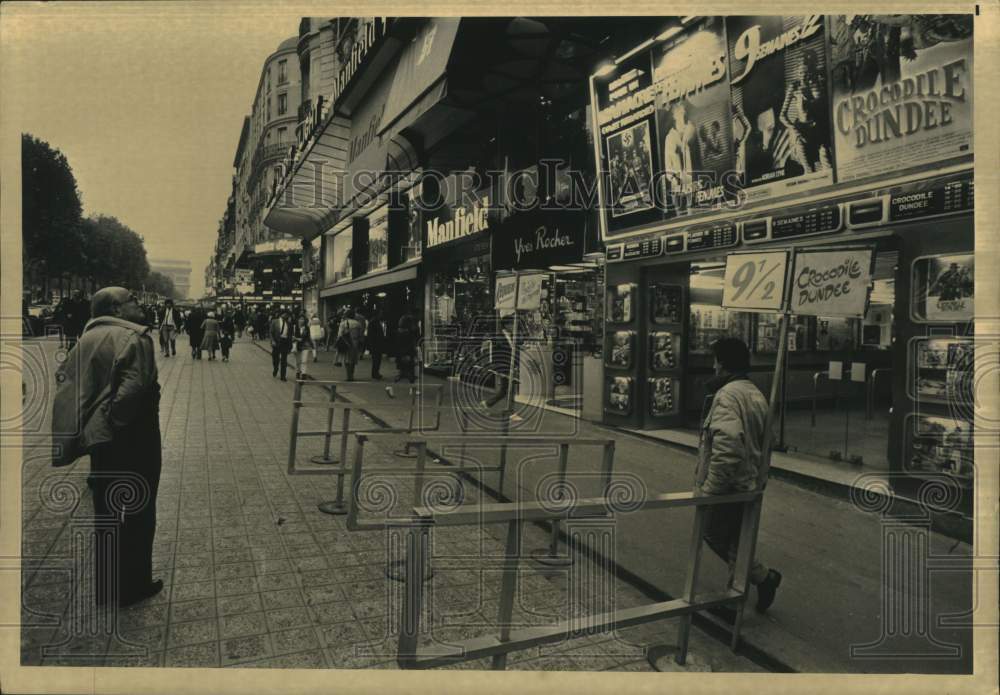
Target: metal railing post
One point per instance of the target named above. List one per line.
(337, 506)
(405, 451)
(293, 434)
(508, 586)
(325, 458)
(691, 583)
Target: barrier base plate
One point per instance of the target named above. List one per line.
(335, 508)
(403, 453)
(396, 571)
(544, 556)
(662, 657)
(324, 460)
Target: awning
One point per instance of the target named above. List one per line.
(369, 281)
(421, 70)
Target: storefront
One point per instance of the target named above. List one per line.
(565, 334)
(458, 276)
(854, 389)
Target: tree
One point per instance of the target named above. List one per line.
(115, 253)
(161, 284)
(50, 210)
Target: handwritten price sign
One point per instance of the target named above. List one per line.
(755, 281)
(832, 282)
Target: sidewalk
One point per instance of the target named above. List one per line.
(256, 576)
(839, 591)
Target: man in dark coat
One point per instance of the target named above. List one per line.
(195, 318)
(378, 334)
(281, 343)
(107, 405)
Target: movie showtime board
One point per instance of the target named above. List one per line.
(902, 91)
(797, 105)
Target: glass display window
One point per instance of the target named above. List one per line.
(378, 240)
(621, 303)
(460, 309)
(663, 396)
(941, 445)
(942, 371)
(663, 350)
(620, 395)
(944, 288)
(621, 349)
(343, 258)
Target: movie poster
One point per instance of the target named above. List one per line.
(780, 96)
(665, 303)
(625, 115)
(661, 396)
(902, 91)
(942, 445)
(662, 350)
(620, 395)
(621, 349)
(694, 121)
(620, 303)
(950, 288)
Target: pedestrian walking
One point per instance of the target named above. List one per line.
(225, 343)
(332, 326)
(349, 338)
(107, 405)
(503, 362)
(263, 322)
(210, 335)
(730, 456)
(240, 321)
(406, 348)
(316, 332)
(168, 329)
(281, 343)
(302, 345)
(195, 322)
(377, 341)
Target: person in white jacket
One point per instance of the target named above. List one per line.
(730, 458)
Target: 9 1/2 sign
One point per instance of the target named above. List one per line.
(755, 281)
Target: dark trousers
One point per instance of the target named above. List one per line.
(722, 534)
(279, 357)
(126, 476)
(503, 384)
(376, 363)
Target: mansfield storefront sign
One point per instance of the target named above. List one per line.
(744, 110)
(537, 239)
(465, 220)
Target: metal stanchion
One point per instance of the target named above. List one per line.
(396, 570)
(550, 556)
(326, 459)
(405, 451)
(338, 507)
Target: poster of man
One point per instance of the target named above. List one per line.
(620, 395)
(627, 145)
(950, 288)
(631, 173)
(902, 91)
(622, 348)
(693, 119)
(780, 104)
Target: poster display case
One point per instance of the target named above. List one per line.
(943, 288)
(664, 351)
(621, 303)
(942, 371)
(664, 396)
(621, 349)
(620, 395)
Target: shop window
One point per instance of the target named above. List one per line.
(343, 245)
(378, 241)
(708, 320)
(460, 311)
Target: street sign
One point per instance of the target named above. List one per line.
(832, 282)
(529, 292)
(755, 281)
(506, 294)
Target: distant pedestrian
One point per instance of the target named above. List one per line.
(349, 337)
(225, 342)
(168, 329)
(406, 348)
(195, 321)
(281, 343)
(730, 456)
(240, 321)
(332, 326)
(377, 340)
(317, 334)
(210, 337)
(302, 345)
(107, 405)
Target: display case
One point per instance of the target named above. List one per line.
(621, 350)
(619, 395)
(664, 351)
(942, 370)
(941, 445)
(943, 288)
(666, 304)
(621, 303)
(663, 396)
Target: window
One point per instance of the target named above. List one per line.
(282, 104)
(282, 135)
(282, 71)
(268, 80)
(269, 108)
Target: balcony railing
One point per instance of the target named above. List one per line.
(264, 155)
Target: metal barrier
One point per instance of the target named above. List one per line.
(338, 506)
(515, 515)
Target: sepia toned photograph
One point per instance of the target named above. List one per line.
(431, 341)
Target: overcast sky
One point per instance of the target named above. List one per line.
(146, 101)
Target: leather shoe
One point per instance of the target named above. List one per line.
(767, 589)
